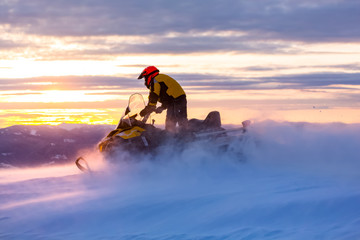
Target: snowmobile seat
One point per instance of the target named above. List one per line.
(211, 122)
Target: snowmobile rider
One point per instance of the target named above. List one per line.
(170, 94)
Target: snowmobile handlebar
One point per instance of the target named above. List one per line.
(146, 117)
(157, 111)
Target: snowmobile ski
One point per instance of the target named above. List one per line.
(83, 165)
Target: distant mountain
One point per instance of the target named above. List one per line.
(24, 146)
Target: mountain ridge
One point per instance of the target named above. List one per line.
(34, 145)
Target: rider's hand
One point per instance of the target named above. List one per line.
(147, 110)
(143, 112)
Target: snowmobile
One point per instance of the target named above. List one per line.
(136, 134)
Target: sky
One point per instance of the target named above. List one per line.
(77, 61)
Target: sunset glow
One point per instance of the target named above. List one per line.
(68, 68)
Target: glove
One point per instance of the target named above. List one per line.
(160, 109)
(147, 110)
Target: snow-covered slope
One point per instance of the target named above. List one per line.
(295, 181)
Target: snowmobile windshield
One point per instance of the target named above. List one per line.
(135, 105)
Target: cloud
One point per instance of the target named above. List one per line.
(61, 105)
(7, 44)
(317, 80)
(201, 81)
(190, 43)
(109, 47)
(68, 83)
(289, 81)
(91, 29)
(274, 19)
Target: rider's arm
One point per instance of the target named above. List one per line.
(154, 94)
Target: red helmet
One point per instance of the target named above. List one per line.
(149, 73)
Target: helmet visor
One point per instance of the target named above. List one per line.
(142, 74)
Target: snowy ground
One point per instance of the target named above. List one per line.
(294, 181)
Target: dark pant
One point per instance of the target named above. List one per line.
(177, 114)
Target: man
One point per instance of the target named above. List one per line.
(170, 94)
